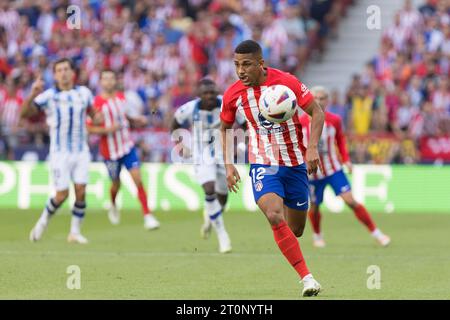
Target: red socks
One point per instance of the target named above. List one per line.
(364, 217)
(289, 246)
(142, 195)
(314, 217)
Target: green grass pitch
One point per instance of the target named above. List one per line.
(127, 262)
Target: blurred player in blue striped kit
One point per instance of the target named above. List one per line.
(201, 115)
(66, 106)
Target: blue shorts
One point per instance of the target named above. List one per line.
(290, 183)
(130, 161)
(338, 181)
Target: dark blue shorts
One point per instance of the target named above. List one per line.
(130, 161)
(338, 181)
(290, 183)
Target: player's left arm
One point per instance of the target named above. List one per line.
(227, 118)
(305, 100)
(317, 121)
(342, 144)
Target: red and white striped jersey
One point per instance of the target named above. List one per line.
(10, 111)
(269, 143)
(332, 137)
(115, 145)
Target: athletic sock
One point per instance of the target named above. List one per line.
(214, 211)
(315, 217)
(77, 217)
(50, 208)
(289, 246)
(142, 196)
(364, 217)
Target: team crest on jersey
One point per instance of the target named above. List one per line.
(258, 185)
(264, 122)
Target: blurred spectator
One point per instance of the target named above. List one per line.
(338, 108)
(409, 79)
(361, 111)
(10, 104)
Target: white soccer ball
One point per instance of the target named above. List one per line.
(277, 103)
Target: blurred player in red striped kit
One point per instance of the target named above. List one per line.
(116, 145)
(333, 159)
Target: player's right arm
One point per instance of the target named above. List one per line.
(29, 106)
(183, 115)
(342, 144)
(227, 118)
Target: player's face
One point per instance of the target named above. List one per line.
(208, 95)
(63, 74)
(108, 81)
(322, 99)
(249, 68)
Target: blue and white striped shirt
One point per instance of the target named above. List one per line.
(66, 117)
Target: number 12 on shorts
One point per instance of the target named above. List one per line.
(258, 174)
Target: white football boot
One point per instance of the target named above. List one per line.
(114, 215)
(310, 286)
(77, 238)
(383, 240)
(150, 222)
(224, 242)
(318, 241)
(38, 230)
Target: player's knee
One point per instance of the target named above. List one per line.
(298, 231)
(275, 216)
(208, 188)
(80, 193)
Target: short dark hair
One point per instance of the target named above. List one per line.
(206, 82)
(62, 60)
(248, 46)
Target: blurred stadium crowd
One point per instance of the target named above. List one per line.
(403, 94)
(161, 48)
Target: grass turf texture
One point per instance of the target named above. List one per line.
(127, 262)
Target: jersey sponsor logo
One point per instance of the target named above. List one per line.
(304, 90)
(274, 128)
(258, 185)
(264, 122)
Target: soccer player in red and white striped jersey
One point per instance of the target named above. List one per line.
(10, 106)
(333, 155)
(116, 145)
(278, 171)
